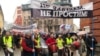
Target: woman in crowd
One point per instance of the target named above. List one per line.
(51, 42)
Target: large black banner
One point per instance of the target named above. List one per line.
(45, 10)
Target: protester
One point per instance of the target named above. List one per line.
(75, 47)
(37, 45)
(22, 37)
(51, 42)
(16, 39)
(28, 46)
(91, 44)
(8, 44)
(69, 42)
(60, 45)
(82, 48)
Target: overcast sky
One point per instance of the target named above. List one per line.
(9, 6)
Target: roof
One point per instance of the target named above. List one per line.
(62, 3)
(26, 7)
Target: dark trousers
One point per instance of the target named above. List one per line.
(50, 52)
(25, 53)
(60, 52)
(6, 52)
(90, 52)
(37, 52)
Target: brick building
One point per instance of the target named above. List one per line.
(18, 20)
(96, 15)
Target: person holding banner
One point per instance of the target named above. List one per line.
(28, 46)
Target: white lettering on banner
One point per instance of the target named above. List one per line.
(48, 13)
(67, 8)
(64, 13)
(51, 10)
(60, 13)
(45, 13)
(60, 8)
(70, 14)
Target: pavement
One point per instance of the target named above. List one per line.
(17, 52)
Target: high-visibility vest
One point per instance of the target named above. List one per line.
(69, 41)
(59, 43)
(38, 43)
(8, 42)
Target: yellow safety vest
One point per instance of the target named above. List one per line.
(38, 43)
(69, 41)
(59, 43)
(7, 42)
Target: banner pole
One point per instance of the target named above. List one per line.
(92, 27)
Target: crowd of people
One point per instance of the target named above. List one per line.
(69, 44)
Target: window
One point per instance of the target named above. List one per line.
(51, 21)
(29, 11)
(19, 12)
(18, 7)
(29, 22)
(68, 1)
(56, 21)
(44, 21)
(19, 16)
(29, 17)
(56, 0)
(24, 17)
(24, 23)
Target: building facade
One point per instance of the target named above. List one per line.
(26, 12)
(53, 24)
(18, 20)
(96, 15)
(1, 19)
(46, 24)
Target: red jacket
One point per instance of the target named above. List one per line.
(25, 47)
(50, 41)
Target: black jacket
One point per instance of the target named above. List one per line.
(90, 41)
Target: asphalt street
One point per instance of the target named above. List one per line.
(17, 52)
